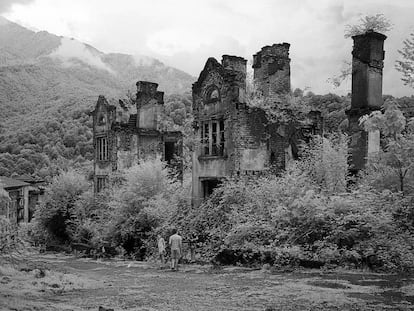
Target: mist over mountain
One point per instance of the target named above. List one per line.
(46, 79)
(42, 67)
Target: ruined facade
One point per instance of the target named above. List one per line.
(25, 193)
(236, 139)
(367, 64)
(124, 134)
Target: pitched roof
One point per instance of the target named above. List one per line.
(26, 178)
(29, 179)
(8, 182)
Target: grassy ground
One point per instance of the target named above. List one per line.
(71, 283)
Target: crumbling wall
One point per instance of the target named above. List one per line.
(127, 149)
(150, 146)
(250, 139)
(367, 65)
(132, 133)
(272, 77)
(272, 70)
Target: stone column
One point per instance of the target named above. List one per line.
(26, 204)
(367, 64)
(271, 67)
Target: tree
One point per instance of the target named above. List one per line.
(377, 23)
(344, 74)
(333, 108)
(398, 157)
(325, 160)
(144, 200)
(56, 211)
(406, 65)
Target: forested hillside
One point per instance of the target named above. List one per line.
(48, 84)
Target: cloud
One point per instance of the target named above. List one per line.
(71, 49)
(184, 33)
(142, 60)
(5, 5)
(193, 60)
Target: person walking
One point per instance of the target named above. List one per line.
(176, 245)
(161, 248)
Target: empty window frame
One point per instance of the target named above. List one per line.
(101, 183)
(169, 151)
(102, 149)
(212, 137)
(208, 186)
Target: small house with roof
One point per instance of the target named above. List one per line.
(24, 192)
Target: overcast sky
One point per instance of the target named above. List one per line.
(184, 33)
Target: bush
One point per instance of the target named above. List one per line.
(292, 220)
(8, 236)
(53, 216)
(147, 199)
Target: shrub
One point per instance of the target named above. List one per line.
(8, 236)
(53, 216)
(291, 220)
(146, 200)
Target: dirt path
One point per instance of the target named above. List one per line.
(84, 284)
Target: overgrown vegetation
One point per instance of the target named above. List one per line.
(122, 219)
(406, 64)
(61, 138)
(312, 215)
(305, 217)
(376, 22)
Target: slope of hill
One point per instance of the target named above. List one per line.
(47, 86)
(39, 67)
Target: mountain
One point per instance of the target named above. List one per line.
(47, 86)
(41, 67)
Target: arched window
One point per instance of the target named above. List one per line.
(213, 94)
(101, 120)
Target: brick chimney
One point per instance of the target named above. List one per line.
(235, 63)
(272, 69)
(149, 103)
(367, 64)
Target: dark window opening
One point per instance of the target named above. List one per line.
(101, 120)
(272, 157)
(209, 185)
(102, 149)
(221, 138)
(101, 183)
(213, 138)
(169, 152)
(206, 138)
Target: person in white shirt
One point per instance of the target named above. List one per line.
(161, 248)
(176, 249)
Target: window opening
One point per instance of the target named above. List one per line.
(209, 185)
(102, 148)
(213, 137)
(169, 152)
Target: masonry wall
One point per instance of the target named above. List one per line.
(367, 66)
(272, 70)
(250, 144)
(132, 133)
(272, 76)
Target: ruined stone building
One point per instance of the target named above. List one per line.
(24, 194)
(367, 64)
(125, 134)
(236, 139)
